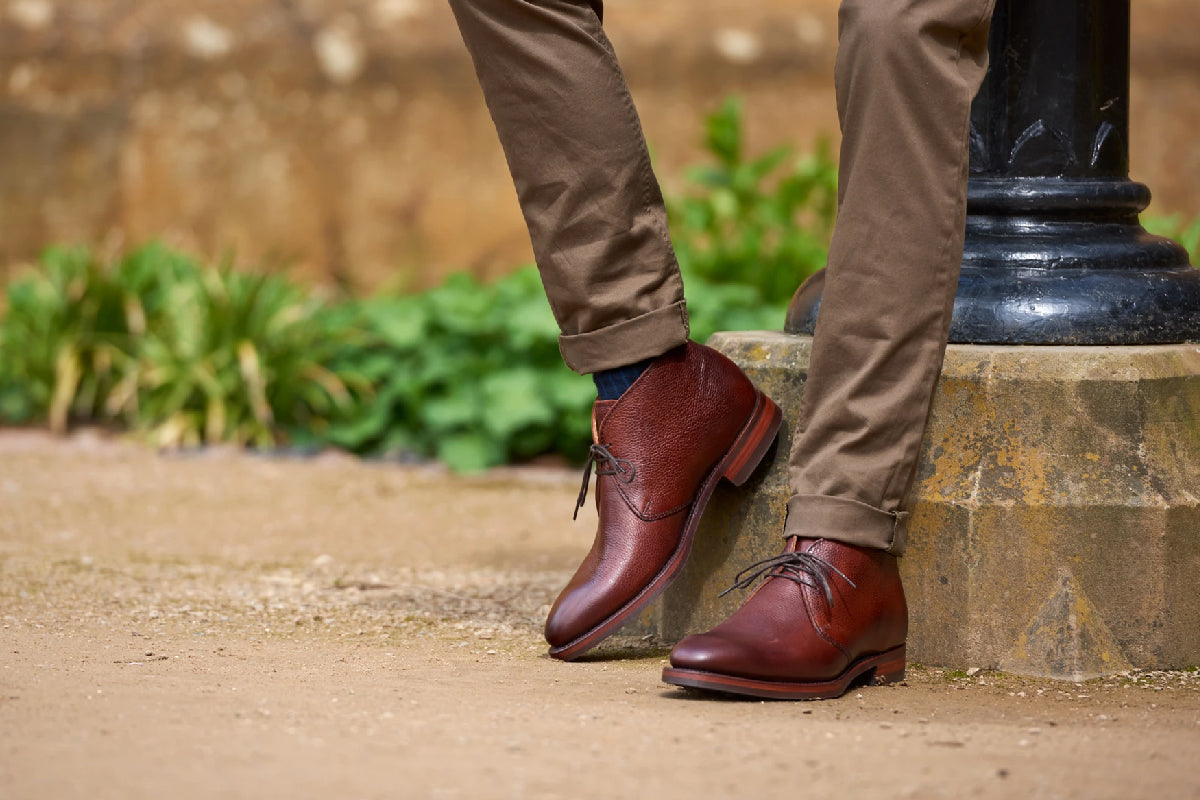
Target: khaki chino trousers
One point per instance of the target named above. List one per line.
(906, 73)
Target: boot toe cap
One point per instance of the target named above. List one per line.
(576, 612)
(706, 652)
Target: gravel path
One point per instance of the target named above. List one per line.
(234, 626)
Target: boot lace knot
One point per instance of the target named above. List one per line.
(804, 569)
(606, 464)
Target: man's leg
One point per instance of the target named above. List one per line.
(575, 148)
(674, 417)
(907, 71)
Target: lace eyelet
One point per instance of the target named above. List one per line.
(599, 454)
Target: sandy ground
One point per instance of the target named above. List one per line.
(230, 626)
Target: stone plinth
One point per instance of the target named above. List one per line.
(1056, 512)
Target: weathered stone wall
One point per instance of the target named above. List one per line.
(347, 138)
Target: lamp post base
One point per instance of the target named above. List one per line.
(1051, 261)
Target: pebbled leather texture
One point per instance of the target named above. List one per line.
(673, 426)
(788, 632)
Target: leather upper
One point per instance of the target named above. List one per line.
(671, 427)
(787, 631)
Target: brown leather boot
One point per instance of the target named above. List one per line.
(689, 420)
(827, 615)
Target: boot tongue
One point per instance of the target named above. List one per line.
(600, 412)
(795, 544)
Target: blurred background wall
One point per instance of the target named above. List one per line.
(348, 141)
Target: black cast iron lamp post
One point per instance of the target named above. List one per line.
(1054, 251)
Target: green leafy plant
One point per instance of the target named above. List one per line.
(156, 342)
(470, 373)
(241, 358)
(467, 372)
(763, 222)
(64, 341)
(716, 307)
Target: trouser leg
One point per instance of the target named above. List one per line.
(907, 71)
(575, 148)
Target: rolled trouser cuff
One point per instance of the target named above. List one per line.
(626, 342)
(841, 519)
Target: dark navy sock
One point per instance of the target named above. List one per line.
(612, 383)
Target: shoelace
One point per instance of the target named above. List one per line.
(802, 568)
(606, 464)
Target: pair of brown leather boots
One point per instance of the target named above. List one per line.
(825, 616)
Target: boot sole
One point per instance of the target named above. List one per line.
(739, 463)
(881, 668)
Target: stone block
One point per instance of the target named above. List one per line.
(1056, 509)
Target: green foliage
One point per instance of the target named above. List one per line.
(471, 374)
(1177, 228)
(716, 307)
(467, 372)
(185, 353)
(64, 341)
(763, 222)
(240, 358)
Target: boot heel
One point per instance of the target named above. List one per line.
(891, 669)
(754, 441)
